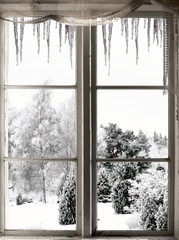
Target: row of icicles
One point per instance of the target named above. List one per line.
(106, 32)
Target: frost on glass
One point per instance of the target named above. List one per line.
(41, 195)
(134, 196)
(132, 52)
(46, 53)
(41, 123)
(133, 124)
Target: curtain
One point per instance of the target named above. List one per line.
(83, 13)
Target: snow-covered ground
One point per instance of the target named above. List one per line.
(109, 220)
(45, 216)
(35, 216)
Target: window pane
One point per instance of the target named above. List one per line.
(132, 124)
(41, 195)
(35, 68)
(41, 123)
(123, 67)
(134, 196)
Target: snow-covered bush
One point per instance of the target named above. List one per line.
(67, 205)
(152, 203)
(120, 196)
(19, 199)
(103, 186)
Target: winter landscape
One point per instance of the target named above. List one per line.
(42, 195)
(42, 124)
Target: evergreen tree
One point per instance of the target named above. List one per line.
(143, 143)
(67, 204)
(124, 144)
(103, 186)
(156, 137)
(152, 203)
(120, 196)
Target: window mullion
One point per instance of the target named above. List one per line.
(86, 179)
(2, 138)
(94, 124)
(171, 130)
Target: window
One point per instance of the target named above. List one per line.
(41, 133)
(84, 142)
(132, 136)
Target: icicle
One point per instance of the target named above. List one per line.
(66, 32)
(56, 24)
(166, 37)
(34, 25)
(104, 43)
(122, 26)
(110, 27)
(22, 25)
(16, 39)
(126, 33)
(48, 38)
(60, 36)
(148, 32)
(136, 38)
(155, 31)
(132, 28)
(44, 27)
(69, 34)
(145, 22)
(38, 37)
(161, 31)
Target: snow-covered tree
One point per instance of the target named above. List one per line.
(120, 196)
(151, 188)
(38, 136)
(103, 186)
(67, 204)
(67, 115)
(13, 116)
(123, 144)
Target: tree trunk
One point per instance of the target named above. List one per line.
(43, 183)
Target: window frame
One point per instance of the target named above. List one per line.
(4, 160)
(86, 57)
(171, 138)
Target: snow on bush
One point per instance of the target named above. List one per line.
(67, 205)
(103, 186)
(120, 196)
(152, 203)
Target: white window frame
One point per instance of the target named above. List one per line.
(171, 139)
(86, 143)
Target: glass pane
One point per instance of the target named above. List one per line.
(132, 124)
(123, 67)
(41, 123)
(35, 68)
(134, 196)
(41, 195)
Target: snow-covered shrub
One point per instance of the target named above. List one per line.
(152, 203)
(120, 196)
(67, 204)
(103, 186)
(19, 199)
